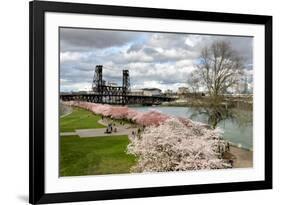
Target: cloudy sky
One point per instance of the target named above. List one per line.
(161, 60)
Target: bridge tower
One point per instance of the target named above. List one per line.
(125, 86)
(126, 81)
(97, 85)
(97, 80)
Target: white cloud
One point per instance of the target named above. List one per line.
(75, 87)
(153, 59)
(189, 42)
(70, 56)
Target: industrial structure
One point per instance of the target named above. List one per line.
(108, 94)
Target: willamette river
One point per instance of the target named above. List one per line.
(238, 128)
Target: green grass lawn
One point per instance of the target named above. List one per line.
(94, 155)
(79, 119)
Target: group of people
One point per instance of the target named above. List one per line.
(136, 133)
(110, 128)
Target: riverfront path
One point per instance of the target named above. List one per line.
(100, 132)
(242, 158)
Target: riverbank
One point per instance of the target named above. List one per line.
(242, 158)
(240, 103)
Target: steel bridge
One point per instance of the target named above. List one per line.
(108, 94)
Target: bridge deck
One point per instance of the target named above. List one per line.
(119, 99)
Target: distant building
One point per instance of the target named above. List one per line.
(79, 92)
(243, 86)
(250, 88)
(182, 90)
(152, 91)
(168, 91)
(65, 93)
(136, 92)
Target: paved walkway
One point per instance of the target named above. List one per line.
(242, 158)
(68, 113)
(100, 132)
(67, 133)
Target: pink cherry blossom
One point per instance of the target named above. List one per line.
(172, 146)
(119, 112)
(152, 117)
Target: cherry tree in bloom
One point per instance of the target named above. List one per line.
(118, 112)
(174, 146)
(152, 117)
(102, 110)
(132, 114)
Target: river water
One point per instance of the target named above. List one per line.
(238, 128)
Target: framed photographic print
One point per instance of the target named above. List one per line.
(141, 102)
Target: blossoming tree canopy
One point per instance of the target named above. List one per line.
(172, 146)
(150, 118)
(120, 112)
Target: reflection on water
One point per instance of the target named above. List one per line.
(236, 124)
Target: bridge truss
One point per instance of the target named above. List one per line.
(108, 94)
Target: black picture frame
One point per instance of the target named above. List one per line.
(37, 9)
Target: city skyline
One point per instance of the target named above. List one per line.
(154, 60)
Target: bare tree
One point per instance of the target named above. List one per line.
(194, 81)
(220, 68)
